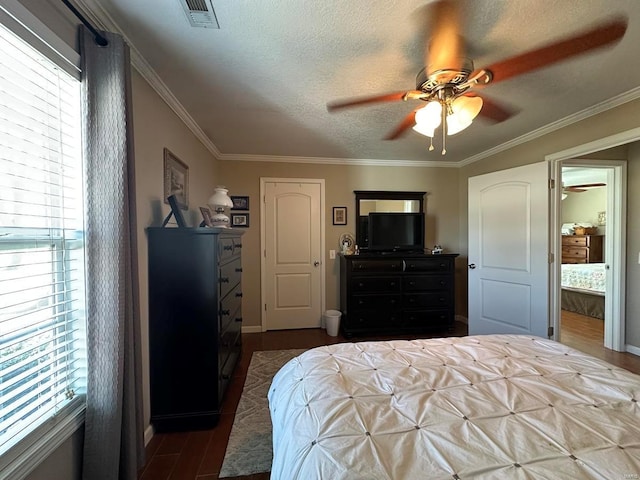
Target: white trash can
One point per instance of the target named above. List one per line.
(332, 321)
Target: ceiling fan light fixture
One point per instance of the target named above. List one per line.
(463, 111)
(429, 117)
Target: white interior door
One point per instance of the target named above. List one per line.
(293, 273)
(509, 251)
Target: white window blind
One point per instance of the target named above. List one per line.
(42, 300)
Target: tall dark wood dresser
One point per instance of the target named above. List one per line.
(195, 319)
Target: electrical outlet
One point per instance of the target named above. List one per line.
(332, 254)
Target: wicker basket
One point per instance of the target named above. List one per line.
(585, 230)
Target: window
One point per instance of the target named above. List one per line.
(42, 305)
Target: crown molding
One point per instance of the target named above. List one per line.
(613, 102)
(98, 15)
(235, 157)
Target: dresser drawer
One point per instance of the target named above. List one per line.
(391, 265)
(366, 320)
(432, 299)
(426, 282)
(225, 248)
(427, 319)
(229, 306)
(230, 275)
(579, 252)
(574, 240)
(375, 284)
(373, 302)
(431, 264)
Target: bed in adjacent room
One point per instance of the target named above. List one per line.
(493, 406)
(583, 288)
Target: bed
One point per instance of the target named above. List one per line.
(482, 407)
(583, 288)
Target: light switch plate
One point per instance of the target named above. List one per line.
(332, 254)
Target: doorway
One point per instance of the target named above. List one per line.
(583, 211)
(615, 233)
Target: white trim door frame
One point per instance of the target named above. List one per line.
(264, 270)
(616, 233)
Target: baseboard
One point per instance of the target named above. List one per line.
(148, 434)
(462, 319)
(252, 329)
(632, 349)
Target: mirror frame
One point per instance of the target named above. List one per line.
(383, 195)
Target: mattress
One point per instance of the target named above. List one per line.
(587, 277)
(482, 407)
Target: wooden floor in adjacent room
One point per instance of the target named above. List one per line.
(199, 454)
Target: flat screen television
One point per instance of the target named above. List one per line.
(393, 232)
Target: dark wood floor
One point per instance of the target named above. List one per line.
(198, 455)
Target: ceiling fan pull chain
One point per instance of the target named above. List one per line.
(444, 128)
(431, 144)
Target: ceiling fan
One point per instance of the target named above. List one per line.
(448, 81)
(582, 188)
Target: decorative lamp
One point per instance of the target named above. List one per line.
(218, 202)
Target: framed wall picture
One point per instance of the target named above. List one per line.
(239, 220)
(339, 215)
(176, 179)
(240, 203)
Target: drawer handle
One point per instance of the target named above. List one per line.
(239, 245)
(412, 300)
(224, 313)
(442, 282)
(239, 270)
(224, 279)
(443, 265)
(361, 284)
(239, 319)
(441, 299)
(360, 302)
(412, 283)
(239, 294)
(227, 247)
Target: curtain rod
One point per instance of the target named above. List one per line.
(99, 39)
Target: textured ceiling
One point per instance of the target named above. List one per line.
(260, 84)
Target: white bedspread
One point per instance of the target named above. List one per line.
(482, 407)
(584, 276)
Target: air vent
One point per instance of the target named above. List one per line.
(200, 13)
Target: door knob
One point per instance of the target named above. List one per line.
(316, 263)
(472, 266)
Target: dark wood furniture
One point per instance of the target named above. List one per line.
(195, 319)
(582, 248)
(396, 293)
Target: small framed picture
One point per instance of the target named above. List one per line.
(206, 217)
(176, 179)
(240, 203)
(239, 219)
(339, 215)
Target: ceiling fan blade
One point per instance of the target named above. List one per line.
(407, 122)
(592, 39)
(588, 185)
(386, 97)
(574, 189)
(492, 110)
(444, 46)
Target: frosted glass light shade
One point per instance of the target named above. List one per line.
(430, 116)
(218, 202)
(464, 109)
(220, 197)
